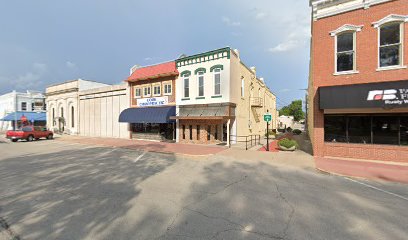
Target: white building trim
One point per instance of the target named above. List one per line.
(346, 28)
(391, 18)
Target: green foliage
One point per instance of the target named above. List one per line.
(287, 143)
(296, 131)
(294, 109)
(271, 133)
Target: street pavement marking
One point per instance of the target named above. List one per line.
(141, 155)
(378, 189)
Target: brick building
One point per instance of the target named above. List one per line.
(358, 86)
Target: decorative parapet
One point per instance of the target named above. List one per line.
(204, 57)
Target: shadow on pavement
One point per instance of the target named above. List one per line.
(72, 194)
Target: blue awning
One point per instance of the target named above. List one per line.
(148, 115)
(31, 116)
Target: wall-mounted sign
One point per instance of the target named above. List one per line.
(372, 95)
(151, 102)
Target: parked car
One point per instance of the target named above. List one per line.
(29, 133)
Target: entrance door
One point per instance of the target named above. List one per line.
(224, 132)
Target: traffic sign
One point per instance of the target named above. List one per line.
(267, 117)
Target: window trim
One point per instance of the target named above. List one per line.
(200, 74)
(215, 73)
(154, 86)
(137, 88)
(168, 83)
(401, 44)
(150, 90)
(184, 86)
(354, 70)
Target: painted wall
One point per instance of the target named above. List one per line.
(100, 109)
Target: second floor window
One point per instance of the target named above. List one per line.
(217, 81)
(146, 91)
(242, 87)
(390, 45)
(138, 92)
(200, 84)
(156, 90)
(167, 89)
(345, 52)
(23, 106)
(186, 87)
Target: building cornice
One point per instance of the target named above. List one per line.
(319, 5)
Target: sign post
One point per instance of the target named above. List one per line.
(267, 119)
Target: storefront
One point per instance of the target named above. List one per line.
(152, 102)
(367, 121)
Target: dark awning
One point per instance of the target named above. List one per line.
(147, 115)
(370, 95)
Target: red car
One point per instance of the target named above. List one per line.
(29, 133)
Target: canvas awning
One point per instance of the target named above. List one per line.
(31, 116)
(148, 115)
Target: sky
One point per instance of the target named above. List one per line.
(44, 42)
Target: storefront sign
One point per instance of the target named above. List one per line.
(372, 95)
(151, 102)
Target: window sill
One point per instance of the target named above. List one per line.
(345, 73)
(156, 95)
(216, 96)
(390, 68)
(137, 97)
(184, 99)
(200, 97)
(167, 94)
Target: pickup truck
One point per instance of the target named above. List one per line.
(29, 133)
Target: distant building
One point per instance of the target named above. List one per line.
(285, 121)
(358, 86)
(29, 101)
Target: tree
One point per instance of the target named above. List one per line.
(294, 109)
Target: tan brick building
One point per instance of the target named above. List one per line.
(358, 86)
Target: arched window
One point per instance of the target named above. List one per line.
(72, 117)
(53, 116)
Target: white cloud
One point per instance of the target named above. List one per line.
(31, 79)
(229, 22)
(285, 46)
(70, 65)
(148, 59)
(260, 15)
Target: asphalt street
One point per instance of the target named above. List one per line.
(55, 190)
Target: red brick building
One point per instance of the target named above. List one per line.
(358, 86)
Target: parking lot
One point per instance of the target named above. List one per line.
(60, 190)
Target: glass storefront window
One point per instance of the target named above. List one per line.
(359, 129)
(404, 131)
(385, 130)
(335, 129)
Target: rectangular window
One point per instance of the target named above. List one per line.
(167, 89)
(385, 130)
(138, 92)
(146, 91)
(191, 132)
(390, 45)
(186, 88)
(209, 132)
(216, 132)
(242, 87)
(156, 90)
(198, 132)
(345, 52)
(200, 84)
(359, 129)
(184, 131)
(335, 129)
(32, 107)
(23, 106)
(217, 81)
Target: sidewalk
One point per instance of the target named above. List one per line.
(379, 170)
(149, 146)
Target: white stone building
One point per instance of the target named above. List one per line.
(29, 101)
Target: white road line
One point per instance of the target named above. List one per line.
(141, 155)
(378, 189)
